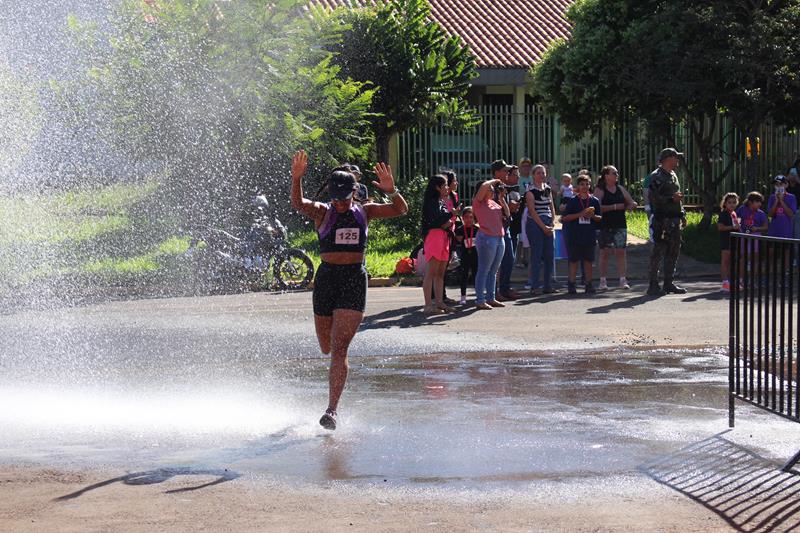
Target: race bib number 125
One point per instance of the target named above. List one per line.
(347, 236)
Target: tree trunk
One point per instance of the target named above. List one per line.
(382, 146)
(709, 189)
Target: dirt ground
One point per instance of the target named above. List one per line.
(30, 503)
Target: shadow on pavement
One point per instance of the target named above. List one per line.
(410, 317)
(714, 295)
(160, 475)
(628, 303)
(746, 490)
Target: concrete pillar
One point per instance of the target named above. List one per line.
(519, 124)
(394, 156)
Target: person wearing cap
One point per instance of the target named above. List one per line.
(525, 173)
(781, 207)
(362, 193)
(340, 284)
(509, 176)
(668, 220)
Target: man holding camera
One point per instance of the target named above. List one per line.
(509, 176)
(668, 220)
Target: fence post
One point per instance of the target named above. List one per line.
(732, 326)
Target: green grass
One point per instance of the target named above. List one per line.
(698, 244)
(385, 247)
(152, 261)
(76, 232)
(68, 217)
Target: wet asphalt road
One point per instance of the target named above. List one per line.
(552, 388)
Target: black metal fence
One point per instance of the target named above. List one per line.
(764, 324)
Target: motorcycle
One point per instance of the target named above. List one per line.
(244, 262)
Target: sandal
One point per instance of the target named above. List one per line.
(431, 310)
(446, 308)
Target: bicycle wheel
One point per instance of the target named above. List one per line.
(293, 270)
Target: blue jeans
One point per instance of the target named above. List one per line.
(490, 254)
(507, 266)
(542, 251)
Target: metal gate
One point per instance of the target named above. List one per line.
(764, 323)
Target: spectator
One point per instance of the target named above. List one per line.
(727, 224)
(362, 194)
(582, 215)
(614, 200)
(525, 173)
(509, 175)
(525, 180)
(454, 206)
(752, 221)
(668, 220)
(539, 230)
(565, 190)
(437, 225)
(465, 237)
(490, 207)
(781, 208)
(794, 188)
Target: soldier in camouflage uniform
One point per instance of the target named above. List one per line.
(668, 220)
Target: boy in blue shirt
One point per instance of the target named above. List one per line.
(582, 215)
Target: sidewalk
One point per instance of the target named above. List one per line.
(638, 264)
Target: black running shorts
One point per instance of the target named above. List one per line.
(580, 252)
(339, 287)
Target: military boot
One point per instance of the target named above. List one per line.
(654, 289)
(670, 287)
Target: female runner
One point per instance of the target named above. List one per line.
(340, 285)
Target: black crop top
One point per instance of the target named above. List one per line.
(343, 232)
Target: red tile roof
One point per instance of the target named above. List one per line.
(501, 33)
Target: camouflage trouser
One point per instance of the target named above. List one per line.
(666, 247)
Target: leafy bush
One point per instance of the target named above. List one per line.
(698, 243)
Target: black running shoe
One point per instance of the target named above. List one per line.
(671, 288)
(590, 289)
(654, 289)
(571, 289)
(328, 420)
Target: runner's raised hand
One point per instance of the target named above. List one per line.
(299, 164)
(385, 181)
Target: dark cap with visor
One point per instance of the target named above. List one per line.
(669, 152)
(341, 185)
(500, 164)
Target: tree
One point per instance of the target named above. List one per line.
(420, 74)
(216, 96)
(675, 61)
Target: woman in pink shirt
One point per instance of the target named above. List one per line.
(490, 208)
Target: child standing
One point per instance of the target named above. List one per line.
(781, 207)
(566, 190)
(465, 237)
(728, 223)
(753, 221)
(582, 216)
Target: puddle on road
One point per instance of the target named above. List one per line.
(451, 419)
